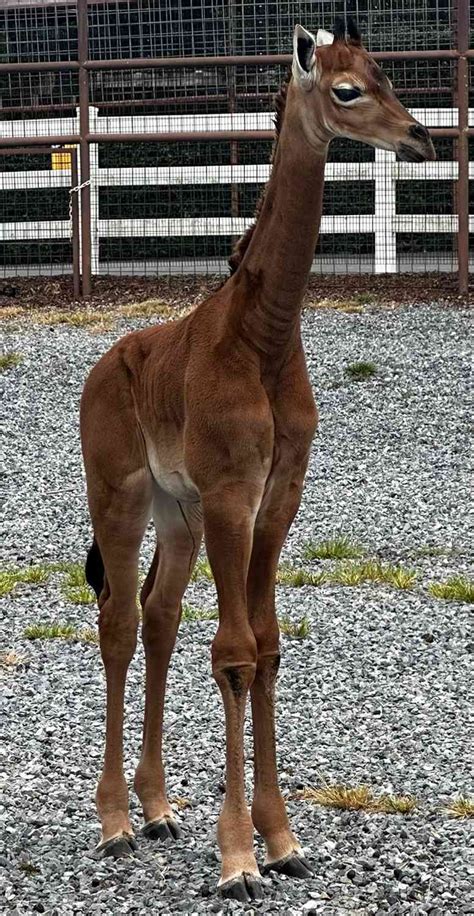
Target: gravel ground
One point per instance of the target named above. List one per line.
(376, 694)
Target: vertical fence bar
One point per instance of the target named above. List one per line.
(83, 53)
(76, 262)
(95, 191)
(385, 212)
(462, 145)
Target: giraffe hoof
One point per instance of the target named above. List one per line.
(245, 888)
(163, 829)
(294, 866)
(119, 847)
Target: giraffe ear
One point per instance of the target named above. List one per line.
(324, 38)
(304, 57)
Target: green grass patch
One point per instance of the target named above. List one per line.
(298, 629)
(196, 613)
(79, 594)
(338, 547)
(57, 630)
(458, 588)
(296, 578)
(30, 575)
(358, 372)
(202, 570)
(10, 360)
(353, 574)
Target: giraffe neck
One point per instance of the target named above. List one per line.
(273, 273)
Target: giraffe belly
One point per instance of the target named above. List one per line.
(167, 466)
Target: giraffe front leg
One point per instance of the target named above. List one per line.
(228, 524)
(283, 852)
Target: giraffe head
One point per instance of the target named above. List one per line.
(344, 93)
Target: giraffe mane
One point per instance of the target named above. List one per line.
(243, 243)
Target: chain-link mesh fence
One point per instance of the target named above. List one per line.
(176, 207)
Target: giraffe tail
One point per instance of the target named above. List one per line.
(95, 568)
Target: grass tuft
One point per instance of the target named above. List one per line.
(59, 630)
(359, 798)
(10, 360)
(296, 578)
(31, 575)
(150, 308)
(458, 588)
(80, 594)
(353, 574)
(11, 659)
(28, 868)
(296, 629)
(462, 806)
(360, 371)
(338, 547)
(202, 570)
(75, 587)
(338, 305)
(396, 804)
(196, 613)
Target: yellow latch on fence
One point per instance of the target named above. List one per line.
(61, 160)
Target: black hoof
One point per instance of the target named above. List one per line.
(163, 829)
(294, 865)
(245, 888)
(119, 847)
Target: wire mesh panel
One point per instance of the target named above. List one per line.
(178, 207)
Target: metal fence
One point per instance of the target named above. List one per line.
(169, 103)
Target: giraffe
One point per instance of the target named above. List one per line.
(205, 425)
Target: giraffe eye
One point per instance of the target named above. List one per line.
(346, 95)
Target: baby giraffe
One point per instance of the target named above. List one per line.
(205, 424)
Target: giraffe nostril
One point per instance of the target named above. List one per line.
(418, 132)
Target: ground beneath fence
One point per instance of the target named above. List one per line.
(376, 663)
(109, 292)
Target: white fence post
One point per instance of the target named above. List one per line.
(385, 212)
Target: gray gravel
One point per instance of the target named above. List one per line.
(377, 694)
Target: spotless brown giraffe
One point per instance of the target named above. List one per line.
(205, 424)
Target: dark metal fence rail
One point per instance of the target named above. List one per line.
(86, 25)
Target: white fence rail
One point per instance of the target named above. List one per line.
(384, 171)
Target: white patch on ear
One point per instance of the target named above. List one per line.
(304, 57)
(324, 38)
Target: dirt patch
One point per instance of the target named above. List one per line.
(33, 293)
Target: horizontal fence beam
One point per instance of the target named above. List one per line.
(231, 60)
(221, 226)
(158, 176)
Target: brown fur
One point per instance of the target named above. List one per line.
(205, 424)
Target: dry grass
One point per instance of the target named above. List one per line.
(396, 804)
(462, 806)
(9, 360)
(339, 305)
(96, 320)
(59, 630)
(458, 588)
(359, 798)
(181, 803)
(338, 547)
(11, 659)
(298, 629)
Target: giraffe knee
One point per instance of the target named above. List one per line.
(118, 632)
